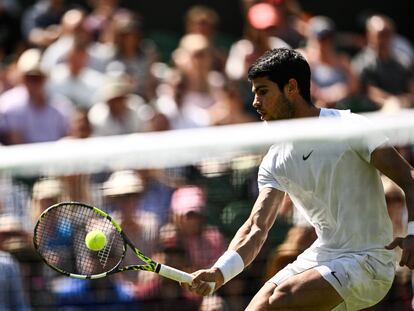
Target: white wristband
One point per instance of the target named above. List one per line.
(410, 228)
(230, 265)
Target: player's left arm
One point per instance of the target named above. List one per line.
(393, 165)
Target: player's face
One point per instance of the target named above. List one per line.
(269, 101)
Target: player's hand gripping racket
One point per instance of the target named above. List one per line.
(59, 238)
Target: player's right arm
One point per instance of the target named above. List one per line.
(248, 240)
(252, 234)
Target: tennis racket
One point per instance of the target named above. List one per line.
(59, 238)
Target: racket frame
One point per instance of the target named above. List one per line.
(151, 265)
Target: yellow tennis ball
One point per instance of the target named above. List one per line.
(95, 240)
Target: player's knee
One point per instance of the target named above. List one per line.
(282, 297)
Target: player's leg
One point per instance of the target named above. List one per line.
(305, 291)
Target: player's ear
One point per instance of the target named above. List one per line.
(291, 87)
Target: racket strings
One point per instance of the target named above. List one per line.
(103, 255)
(60, 238)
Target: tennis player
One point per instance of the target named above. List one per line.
(338, 189)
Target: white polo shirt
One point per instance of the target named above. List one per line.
(336, 189)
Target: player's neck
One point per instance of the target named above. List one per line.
(306, 110)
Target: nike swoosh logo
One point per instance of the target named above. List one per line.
(307, 156)
(333, 274)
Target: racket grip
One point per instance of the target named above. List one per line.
(175, 274)
(180, 276)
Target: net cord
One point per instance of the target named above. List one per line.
(185, 147)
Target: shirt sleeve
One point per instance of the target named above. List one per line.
(369, 143)
(265, 178)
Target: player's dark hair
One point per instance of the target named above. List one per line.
(280, 65)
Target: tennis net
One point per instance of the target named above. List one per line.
(181, 195)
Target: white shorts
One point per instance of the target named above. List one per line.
(360, 279)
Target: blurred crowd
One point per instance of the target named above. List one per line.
(73, 72)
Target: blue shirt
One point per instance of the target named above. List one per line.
(11, 293)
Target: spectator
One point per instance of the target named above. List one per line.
(85, 295)
(291, 22)
(213, 303)
(203, 20)
(14, 237)
(79, 187)
(100, 17)
(45, 193)
(8, 76)
(12, 6)
(202, 242)
(67, 292)
(261, 19)
(71, 25)
(119, 111)
(133, 53)
(157, 193)
(159, 122)
(74, 79)
(170, 104)
(193, 61)
(385, 79)
(12, 293)
(228, 108)
(80, 126)
(31, 115)
(123, 191)
(333, 80)
(9, 40)
(74, 28)
(161, 294)
(40, 22)
(3, 135)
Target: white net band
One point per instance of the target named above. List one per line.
(185, 147)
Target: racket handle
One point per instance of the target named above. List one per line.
(175, 274)
(180, 276)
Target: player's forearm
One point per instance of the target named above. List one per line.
(405, 179)
(406, 182)
(394, 166)
(250, 237)
(409, 199)
(248, 241)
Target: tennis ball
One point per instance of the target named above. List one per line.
(95, 240)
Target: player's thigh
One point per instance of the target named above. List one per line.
(305, 291)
